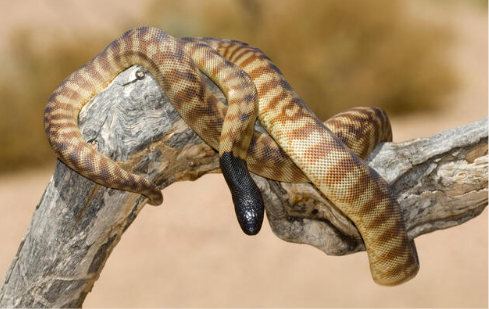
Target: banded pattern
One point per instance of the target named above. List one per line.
(335, 170)
(361, 129)
(300, 148)
(179, 77)
(236, 132)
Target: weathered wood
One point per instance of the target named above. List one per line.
(440, 182)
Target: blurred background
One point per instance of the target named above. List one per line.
(424, 62)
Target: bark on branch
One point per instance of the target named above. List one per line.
(439, 181)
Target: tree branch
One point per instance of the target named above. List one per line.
(440, 182)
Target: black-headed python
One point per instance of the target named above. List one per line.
(299, 147)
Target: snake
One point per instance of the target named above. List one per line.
(297, 146)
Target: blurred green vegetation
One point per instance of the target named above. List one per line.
(336, 54)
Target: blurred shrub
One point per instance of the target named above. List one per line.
(336, 54)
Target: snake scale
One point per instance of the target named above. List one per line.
(297, 148)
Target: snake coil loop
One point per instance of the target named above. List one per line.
(297, 148)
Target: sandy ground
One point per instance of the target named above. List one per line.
(190, 252)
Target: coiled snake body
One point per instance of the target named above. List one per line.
(300, 148)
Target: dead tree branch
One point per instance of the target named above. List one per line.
(440, 182)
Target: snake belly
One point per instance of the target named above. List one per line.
(347, 181)
(317, 154)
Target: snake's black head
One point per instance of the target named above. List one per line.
(249, 211)
(247, 199)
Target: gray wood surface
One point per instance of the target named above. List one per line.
(440, 181)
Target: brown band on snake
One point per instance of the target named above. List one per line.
(236, 132)
(339, 173)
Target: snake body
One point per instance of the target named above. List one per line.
(299, 147)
